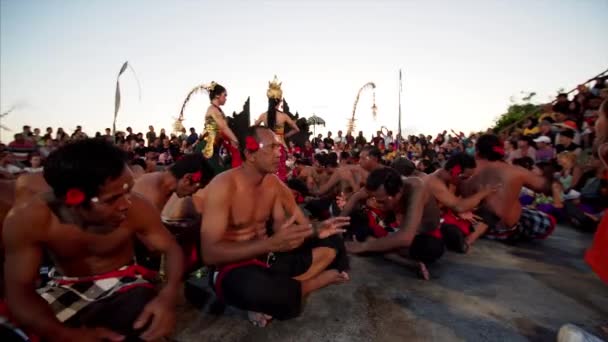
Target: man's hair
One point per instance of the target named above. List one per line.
(85, 164)
(525, 162)
(386, 177)
(373, 151)
(251, 131)
(404, 166)
(344, 155)
(463, 160)
(489, 147)
(192, 163)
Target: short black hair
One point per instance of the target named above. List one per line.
(387, 177)
(192, 163)
(463, 160)
(344, 155)
(373, 151)
(404, 166)
(525, 162)
(489, 147)
(85, 164)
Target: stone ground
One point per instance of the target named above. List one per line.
(496, 293)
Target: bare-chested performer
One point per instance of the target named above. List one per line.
(502, 211)
(354, 175)
(87, 225)
(416, 210)
(266, 275)
(462, 229)
(183, 179)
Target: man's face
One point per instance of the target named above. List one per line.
(383, 200)
(36, 131)
(339, 133)
(266, 159)
(522, 144)
(35, 161)
(186, 186)
(113, 202)
(365, 161)
(564, 140)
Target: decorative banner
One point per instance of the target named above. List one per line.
(177, 125)
(117, 95)
(351, 122)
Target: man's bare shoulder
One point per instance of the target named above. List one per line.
(29, 218)
(223, 182)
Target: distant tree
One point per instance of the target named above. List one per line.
(517, 111)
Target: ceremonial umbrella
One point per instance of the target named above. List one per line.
(314, 121)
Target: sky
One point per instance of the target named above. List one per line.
(462, 61)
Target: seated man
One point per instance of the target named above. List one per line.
(502, 211)
(269, 276)
(87, 225)
(415, 209)
(183, 179)
(457, 230)
(171, 192)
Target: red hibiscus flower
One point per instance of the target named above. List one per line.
(456, 170)
(74, 197)
(251, 144)
(196, 177)
(499, 150)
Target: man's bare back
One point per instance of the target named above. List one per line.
(509, 180)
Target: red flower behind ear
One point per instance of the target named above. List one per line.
(251, 144)
(499, 150)
(456, 170)
(74, 197)
(196, 177)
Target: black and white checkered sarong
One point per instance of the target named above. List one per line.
(68, 295)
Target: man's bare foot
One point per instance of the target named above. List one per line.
(423, 272)
(259, 319)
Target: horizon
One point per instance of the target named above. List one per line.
(59, 61)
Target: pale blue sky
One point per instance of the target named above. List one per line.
(462, 60)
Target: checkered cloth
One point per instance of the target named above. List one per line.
(532, 225)
(68, 295)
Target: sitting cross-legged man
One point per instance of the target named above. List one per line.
(87, 225)
(268, 275)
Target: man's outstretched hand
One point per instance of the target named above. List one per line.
(332, 226)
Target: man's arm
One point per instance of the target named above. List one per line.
(151, 231)
(411, 221)
(286, 207)
(448, 199)
(353, 201)
(535, 182)
(215, 222)
(23, 255)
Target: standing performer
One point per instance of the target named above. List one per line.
(216, 131)
(276, 119)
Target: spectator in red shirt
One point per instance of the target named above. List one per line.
(21, 148)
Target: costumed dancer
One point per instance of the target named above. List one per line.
(276, 119)
(217, 133)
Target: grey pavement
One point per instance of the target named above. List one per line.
(495, 293)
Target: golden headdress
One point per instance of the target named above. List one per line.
(274, 89)
(211, 86)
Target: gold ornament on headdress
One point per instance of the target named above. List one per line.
(274, 89)
(211, 86)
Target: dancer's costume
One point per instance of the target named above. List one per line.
(275, 92)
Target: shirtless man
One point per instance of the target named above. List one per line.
(87, 225)
(354, 175)
(183, 179)
(267, 276)
(417, 212)
(502, 211)
(442, 184)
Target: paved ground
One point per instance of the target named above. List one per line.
(496, 293)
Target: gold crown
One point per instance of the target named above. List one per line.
(274, 89)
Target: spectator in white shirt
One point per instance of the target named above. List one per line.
(340, 139)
